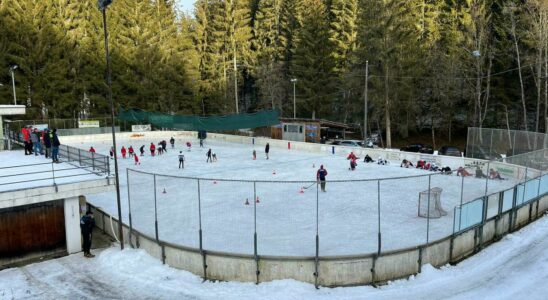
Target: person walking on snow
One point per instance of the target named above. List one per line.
(124, 152)
(172, 142)
(181, 160)
(267, 149)
(152, 149)
(208, 154)
(142, 150)
(320, 177)
(86, 226)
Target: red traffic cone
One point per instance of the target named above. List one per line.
(258, 200)
(164, 192)
(246, 201)
(302, 191)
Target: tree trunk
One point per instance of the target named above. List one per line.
(518, 59)
(387, 111)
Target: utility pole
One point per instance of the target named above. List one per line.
(365, 101)
(103, 7)
(294, 80)
(236, 83)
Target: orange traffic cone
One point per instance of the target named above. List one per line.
(164, 192)
(246, 201)
(258, 200)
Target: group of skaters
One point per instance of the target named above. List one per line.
(41, 142)
(493, 174)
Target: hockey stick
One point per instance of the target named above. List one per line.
(306, 187)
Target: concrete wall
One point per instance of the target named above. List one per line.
(72, 225)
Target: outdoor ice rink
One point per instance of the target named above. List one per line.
(348, 212)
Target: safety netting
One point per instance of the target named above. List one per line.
(195, 123)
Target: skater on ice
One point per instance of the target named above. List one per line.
(368, 159)
(494, 174)
(320, 177)
(136, 158)
(131, 151)
(152, 149)
(381, 161)
(209, 157)
(479, 173)
(254, 154)
(462, 172)
(124, 152)
(188, 146)
(142, 150)
(446, 170)
(352, 157)
(111, 152)
(172, 142)
(91, 149)
(201, 143)
(267, 149)
(181, 160)
(163, 143)
(214, 156)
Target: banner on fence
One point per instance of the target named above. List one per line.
(88, 123)
(140, 128)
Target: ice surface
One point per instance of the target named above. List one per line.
(348, 212)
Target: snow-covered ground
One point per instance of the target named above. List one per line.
(514, 268)
(20, 171)
(286, 218)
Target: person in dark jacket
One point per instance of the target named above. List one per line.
(208, 154)
(172, 142)
(181, 160)
(47, 143)
(86, 226)
(320, 176)
(267, 149)
(142, 150)
(54, 145)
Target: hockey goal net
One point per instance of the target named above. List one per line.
(434, 210)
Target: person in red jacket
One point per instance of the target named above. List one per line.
(352, 158)
(152, 149)
(124, 151)
(131, 151)
(136, 157)
(91, 149)
(26, 139)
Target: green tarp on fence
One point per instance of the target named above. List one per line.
(195, 123)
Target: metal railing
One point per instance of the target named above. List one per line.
(98, 162)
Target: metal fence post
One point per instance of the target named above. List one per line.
(93, 161)
(79, 157)
(428, 211)
(461, 199)
(155, 211)
(316, 258)
(129, 208)
(487, 177)
(255, 254)
(68, 154)
(379, 237)
(200, 237)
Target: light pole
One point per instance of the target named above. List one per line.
(103, 7)
(13, 68)
(365, 101)
(294, 80)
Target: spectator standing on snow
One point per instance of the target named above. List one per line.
(181, 160)
(47, 143)
(55, 143)
(267, 149)
(320, 177)
(172, 142)
(86, 226)
(91, 149)
(35, 139)
(208, 154)
(26, 139)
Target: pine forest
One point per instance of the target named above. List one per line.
(434, 66)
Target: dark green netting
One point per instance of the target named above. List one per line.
(195, 123)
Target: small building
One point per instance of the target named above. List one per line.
(307, 130)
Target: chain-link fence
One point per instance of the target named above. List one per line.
(296, 218)
(491, 144)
